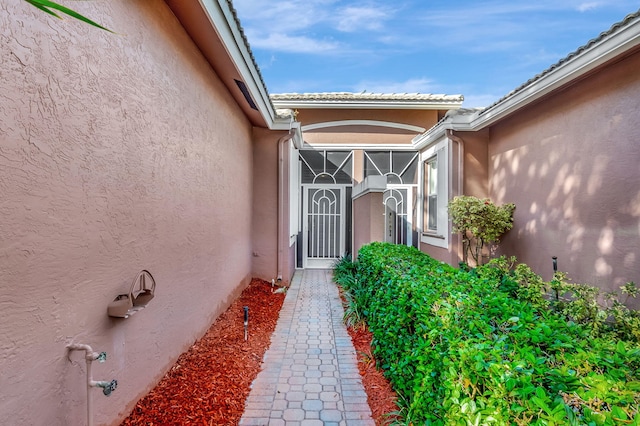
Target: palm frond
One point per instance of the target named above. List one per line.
(49, 7)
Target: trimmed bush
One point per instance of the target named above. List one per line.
(467, 348)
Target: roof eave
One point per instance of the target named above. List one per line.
(437, 132)
(236, 63)
(374, 104)
(584, 61)
(601, 52)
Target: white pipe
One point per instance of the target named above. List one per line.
(281, 191)
(89, 357)
(460, 142)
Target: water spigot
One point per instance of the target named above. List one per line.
(107, 387)
(112, 386)
(102, 357)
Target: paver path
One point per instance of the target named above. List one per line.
(310, 374)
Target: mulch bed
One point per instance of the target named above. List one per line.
(209, 383)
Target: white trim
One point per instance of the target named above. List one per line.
(376, 123)
(369, 184)
(368, 104)
(603, 51)
(352, 147)
(225, 24)
(442, 236)
(294, 192)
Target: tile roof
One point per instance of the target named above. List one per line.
(246, 43)
(365, 98)
(604, 35)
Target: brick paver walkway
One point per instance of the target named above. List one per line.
(310, 374)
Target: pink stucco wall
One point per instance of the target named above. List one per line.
(570, 164)
(118, 152)
(368, 220)
(265, 250)
(474, 179)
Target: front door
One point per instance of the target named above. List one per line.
(323, 225)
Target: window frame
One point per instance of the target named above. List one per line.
(438, 152)
(431, 187)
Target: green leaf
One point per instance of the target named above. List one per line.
(618, 413)
(47, 5)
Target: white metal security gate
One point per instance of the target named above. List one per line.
(398, 208)
(324, 225)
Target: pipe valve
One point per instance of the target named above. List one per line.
(102, 357)
(107, 387)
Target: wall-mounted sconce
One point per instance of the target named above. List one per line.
(140, 294)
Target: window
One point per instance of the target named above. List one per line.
(435, 194)
(326, 167)
(398, 166)
(431, 194)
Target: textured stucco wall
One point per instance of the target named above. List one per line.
(476, 162)
(265, 208)
(118, 152)
(368, 219)
(474, 179)
(364, 134)
(424, 118)
(571, 166)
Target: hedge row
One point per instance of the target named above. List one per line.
(460, 350)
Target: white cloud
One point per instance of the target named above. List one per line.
(356, 18)
(292, 44)
(307, 26)
(587, 6)
(283, 16)
(414, 85)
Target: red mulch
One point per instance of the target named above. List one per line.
(380, 396)
(209, 383)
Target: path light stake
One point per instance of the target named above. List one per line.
(555, 269)
(246, 322)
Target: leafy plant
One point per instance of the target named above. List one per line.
(490, 346)
(50, 8)
(479, 222)
(345, 274)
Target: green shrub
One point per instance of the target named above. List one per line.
(479, 222)
(484, 347)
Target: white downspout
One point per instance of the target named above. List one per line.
(460, 190)
(460, 144)
(282, 238)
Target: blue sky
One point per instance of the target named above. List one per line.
(480, 49)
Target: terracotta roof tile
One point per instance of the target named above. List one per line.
(366, 97)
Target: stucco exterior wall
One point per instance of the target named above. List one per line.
(368, 220)
(265, 205)
(476, 163)
(364, 134)
(266, 158)
(368, 135)
(118, 152)
(424, 118)
(570, 164)
(471, 180)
